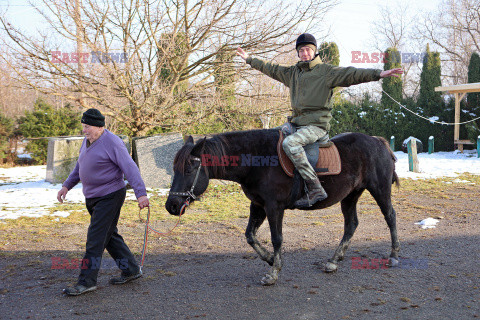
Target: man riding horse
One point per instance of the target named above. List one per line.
(311, 84)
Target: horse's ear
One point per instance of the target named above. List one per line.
(189, 140)
(197, 150)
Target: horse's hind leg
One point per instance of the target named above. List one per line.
(384, 201)
(349, 210)
(257, 216)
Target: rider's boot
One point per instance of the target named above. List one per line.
(314, 193)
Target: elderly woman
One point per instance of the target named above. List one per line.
(102, 164)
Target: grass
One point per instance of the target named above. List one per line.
(224, 204)
(221, 203)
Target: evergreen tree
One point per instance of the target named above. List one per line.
(392, 86)
(429, 100)
(45, 121)
(6, 132)
(328, 52)
(431, 104)
(474, 77)
(473, 99)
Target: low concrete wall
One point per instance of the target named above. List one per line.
(62, 157)
(154, 156)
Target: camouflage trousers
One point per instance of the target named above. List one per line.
(293, 146)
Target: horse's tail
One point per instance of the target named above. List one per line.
(395, 178)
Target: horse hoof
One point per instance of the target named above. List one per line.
(392, 262)
(268, 280)
(330, 267)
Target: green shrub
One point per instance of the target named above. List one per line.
(45, 121)
(6, 132)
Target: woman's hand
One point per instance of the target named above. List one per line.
(62, 194)
(143, 202)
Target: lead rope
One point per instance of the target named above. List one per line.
(190, 196)
(148, 227)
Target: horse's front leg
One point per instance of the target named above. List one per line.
(275, 220)
(257, 216)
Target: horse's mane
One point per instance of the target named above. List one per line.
(214, 146)
(182, 158)
(217, 146)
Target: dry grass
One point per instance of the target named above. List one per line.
(224, 204)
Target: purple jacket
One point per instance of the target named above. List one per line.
(101, 168)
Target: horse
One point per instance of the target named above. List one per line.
(366, 163)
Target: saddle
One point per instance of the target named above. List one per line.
(325, 158)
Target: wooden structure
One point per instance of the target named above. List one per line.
(413, 164)
(459, 91)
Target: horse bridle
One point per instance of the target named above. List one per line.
(189, 194)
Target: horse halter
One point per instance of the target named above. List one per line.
(189, 194)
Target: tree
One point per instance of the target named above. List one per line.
(328, 52)
(473, 99)
(225, 76)
(455, 30)
(429, 100)
(391, 85)
(6, 132)
(111, 54)
(45, 121)
(393, 28)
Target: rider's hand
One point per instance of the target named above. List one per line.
(242, 54)
(391, 73)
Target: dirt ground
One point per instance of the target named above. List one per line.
(206, 270)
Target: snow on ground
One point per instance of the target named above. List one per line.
(439, 164)
(24, 191)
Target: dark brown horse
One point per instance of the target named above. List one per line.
(250, 158)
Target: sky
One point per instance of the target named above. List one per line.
(24, 191)
(349, 22)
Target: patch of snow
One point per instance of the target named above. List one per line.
(428, 223)
(24, 191)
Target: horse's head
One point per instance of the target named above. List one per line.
(189, 180)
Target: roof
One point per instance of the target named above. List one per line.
(461, 88)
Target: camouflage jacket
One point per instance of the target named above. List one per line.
(311, 86)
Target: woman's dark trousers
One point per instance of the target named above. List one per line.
(103, 234)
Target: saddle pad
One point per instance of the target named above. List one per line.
(328, 163)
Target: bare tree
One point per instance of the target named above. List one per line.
(14, 99)
(393, 29)
(390, 30)
(455, 31)
(141, 60)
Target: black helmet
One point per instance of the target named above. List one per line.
(305, 38)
